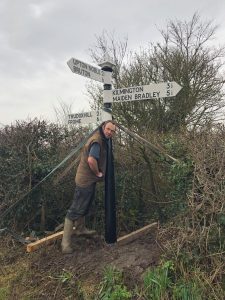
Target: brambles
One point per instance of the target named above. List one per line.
(198, 235)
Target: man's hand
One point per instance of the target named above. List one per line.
(100, 174)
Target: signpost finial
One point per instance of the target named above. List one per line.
(107, 62)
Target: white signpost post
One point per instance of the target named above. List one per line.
(144, 92)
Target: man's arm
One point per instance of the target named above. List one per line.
(93, 164)
(93, 157)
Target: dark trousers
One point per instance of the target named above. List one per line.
(82, 200)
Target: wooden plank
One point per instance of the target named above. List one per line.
(136, 234)
(47, 240)
(121, 241)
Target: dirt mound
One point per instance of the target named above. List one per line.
(85, 265)
(91, 255)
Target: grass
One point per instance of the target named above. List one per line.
(4, 293)
(112, 287)
(161, 283)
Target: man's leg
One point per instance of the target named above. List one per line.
(79, 208)
(80, 228)
(67, 233)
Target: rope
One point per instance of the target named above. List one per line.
(152, 147)
(72, 153)
(141, 140)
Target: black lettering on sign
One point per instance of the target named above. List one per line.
(122, 98)
(169, 92)
(84, 66)
(76, 69)
(74, 121)
(130, 90)
(87, 115)
(137, 96)
(94, 70)
(140, 89)
(155, 94)
(85, 73)
(76, 62)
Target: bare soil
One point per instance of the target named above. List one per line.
(43, 272)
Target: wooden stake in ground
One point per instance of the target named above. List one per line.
(45, 241)
(136, 234)
(121, 241)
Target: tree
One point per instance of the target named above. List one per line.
(186, 56)
(62, 112)
(107, 45)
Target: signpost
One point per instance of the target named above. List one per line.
(91, 117)
(103, 75)
(86, 70)
(144, 92)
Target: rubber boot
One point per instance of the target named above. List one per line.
(66, 240)
(81, 229)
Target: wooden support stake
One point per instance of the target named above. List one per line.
(136, 234)
(120, 241)
(47, 240)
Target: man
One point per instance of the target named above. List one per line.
(91, 169)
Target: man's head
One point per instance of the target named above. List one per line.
(109, 129)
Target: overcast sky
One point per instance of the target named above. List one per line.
(38, 37)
